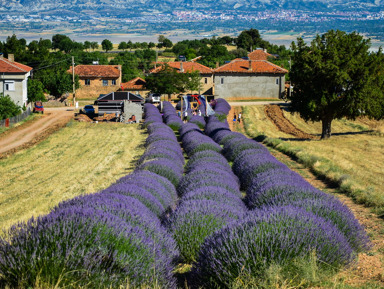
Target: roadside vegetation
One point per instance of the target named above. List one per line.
(352, 159)
(80, 159)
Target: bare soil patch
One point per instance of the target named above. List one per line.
(31, 133)
(275, 114)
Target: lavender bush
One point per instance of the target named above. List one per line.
(275, 235)
(165, 168)
(151, 178)
(233, 147)
(128, 209)
(195, 220)
(137, 192)
(217, 194)
(197, 180)
(78, 247)
(222, 106)
(254, 165)
(188, 127)
(198, 120)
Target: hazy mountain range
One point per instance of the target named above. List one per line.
(169, 5)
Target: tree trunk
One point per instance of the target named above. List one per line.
(326, 124)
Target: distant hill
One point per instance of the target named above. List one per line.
(169, 5)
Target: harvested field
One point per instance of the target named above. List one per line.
(352, 157)
(81, 158)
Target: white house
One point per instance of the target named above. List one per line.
(13, 79)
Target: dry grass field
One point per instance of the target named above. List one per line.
(80, 159)
(353, 157)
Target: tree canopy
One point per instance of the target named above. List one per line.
(169, 81)
(335, 77)
(106, 45)
(7, 107)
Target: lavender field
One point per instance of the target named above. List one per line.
(202, 198)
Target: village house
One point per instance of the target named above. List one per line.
(136, 86)
(97, 79)
(249, 79)
(206, 74)
(260, 54)
(14, 77)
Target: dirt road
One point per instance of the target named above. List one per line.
(31, 133)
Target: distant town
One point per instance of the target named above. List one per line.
(198, 23)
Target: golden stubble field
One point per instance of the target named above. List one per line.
(80, 159)
(353, 156)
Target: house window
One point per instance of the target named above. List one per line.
(87, 81)
(222, 80)
(9, 85)
(113, 81)
(105, 82)
(277, 81)
(206, 80)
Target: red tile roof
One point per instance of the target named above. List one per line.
(97, 70)
(259, 54)
(257, 66)
(187, 67)
(136, 84)
(7, 66)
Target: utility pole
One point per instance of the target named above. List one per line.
(73, 81)
(156, 59)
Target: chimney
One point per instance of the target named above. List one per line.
(217, 64)
(11, 57)
(265, 50)
(181, 67)
(250, 65)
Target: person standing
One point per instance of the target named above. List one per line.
(234, 118)
(239, 117)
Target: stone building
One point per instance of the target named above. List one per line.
(249, 79)
(97, 79)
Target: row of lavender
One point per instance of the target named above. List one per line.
(110, 238)
(287, 217)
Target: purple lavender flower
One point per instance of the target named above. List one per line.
(85, 246)
(195, 220)
(274, 235)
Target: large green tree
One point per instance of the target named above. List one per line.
(35, 90)
(169, 81)
(336, 76)
(106, 45)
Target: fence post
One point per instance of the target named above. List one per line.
(7, 122)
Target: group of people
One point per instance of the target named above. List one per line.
(238, 118)
(185, 114)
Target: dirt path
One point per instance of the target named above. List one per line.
(31, 133)
(275, 114)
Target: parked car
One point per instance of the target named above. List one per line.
(153, 98)
(38, 107)
(88, 110)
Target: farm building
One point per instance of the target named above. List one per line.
(249, 79)
(123, 104)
